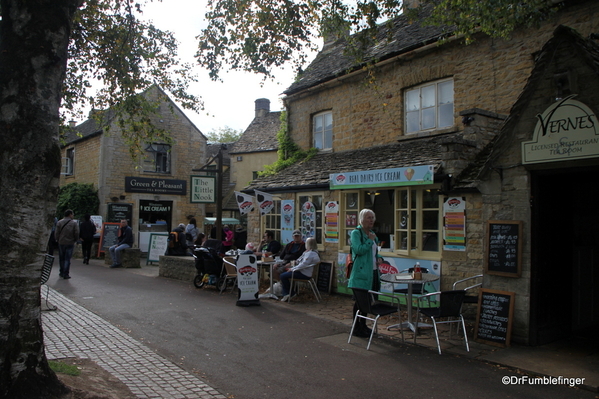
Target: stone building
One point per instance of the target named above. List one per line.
(451, 142)
(149, 191)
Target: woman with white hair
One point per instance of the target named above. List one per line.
(364, 273)
(302, 270)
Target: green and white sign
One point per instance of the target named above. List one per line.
(408, 176)
(203, 190)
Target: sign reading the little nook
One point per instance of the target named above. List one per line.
(203, 189)
(566, 130)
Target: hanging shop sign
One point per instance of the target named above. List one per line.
(566, 130)
(155, 186)
(409, 176)
(203, 190)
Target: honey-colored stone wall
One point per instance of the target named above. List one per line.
(105, 160)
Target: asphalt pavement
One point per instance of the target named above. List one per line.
(166, 339)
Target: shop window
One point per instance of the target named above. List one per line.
(311, 225)
(418, 216)
(322, 130)
(429, 106)
(68, 163)
(350, 208)
(408, 220)
(157, 158)
(272, 220)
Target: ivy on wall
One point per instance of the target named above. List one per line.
(289, 152)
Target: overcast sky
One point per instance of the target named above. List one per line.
(230, 103)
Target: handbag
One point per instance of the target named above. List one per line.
(349, 264)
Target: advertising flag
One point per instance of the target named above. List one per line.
(265, 202)
(245, 202)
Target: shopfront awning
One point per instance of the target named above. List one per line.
(223, 221)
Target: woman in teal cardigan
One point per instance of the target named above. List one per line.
(365, 273)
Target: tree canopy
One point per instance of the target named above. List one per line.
(257, 35)
(114, 54)
(223, 135)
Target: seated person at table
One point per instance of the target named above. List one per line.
(292, 251)
(268, 245)
(302, 270)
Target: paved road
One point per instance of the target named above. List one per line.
(274, 351)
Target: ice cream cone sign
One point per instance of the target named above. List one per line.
(409, 173)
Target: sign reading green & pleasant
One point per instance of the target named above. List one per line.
(410, 176)
(135, 184)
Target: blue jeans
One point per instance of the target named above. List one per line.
(286, 280)
(115, 252)
(65, 253)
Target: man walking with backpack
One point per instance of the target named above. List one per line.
(125, 241)
(177, 245)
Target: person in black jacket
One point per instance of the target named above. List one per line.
(125, 241)
(177, 242)
(86, 234)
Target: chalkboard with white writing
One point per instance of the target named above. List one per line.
(324, 277)
(504, 248)
(109, 236)
(494, 317)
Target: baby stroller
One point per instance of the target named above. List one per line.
(209, 266)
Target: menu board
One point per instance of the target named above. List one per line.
(504, 248)
(494, 317)
(324, 278)
(157, 247)
(109, 236)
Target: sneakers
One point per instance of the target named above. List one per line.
(115, 265)
(66, 277)
(286, 298)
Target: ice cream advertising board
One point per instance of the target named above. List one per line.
(408, 176)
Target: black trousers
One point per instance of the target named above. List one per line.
(376, 286)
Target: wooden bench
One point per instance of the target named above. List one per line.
(177, 267)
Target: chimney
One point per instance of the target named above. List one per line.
(332, 30)
(262, 107)
(409, 4)
(72, 123)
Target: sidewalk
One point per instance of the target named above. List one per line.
(151, 376)
(80, 333)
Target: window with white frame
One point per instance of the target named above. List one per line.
(322, 130)
(429, 106)
(157, 158)
(68, 162)
(311, 225)
(272, 220)
(408, 219)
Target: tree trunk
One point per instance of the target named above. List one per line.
(34, 37)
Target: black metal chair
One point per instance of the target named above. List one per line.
(367, 305)
(450, 308)
(469, 298)
(46, 270)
